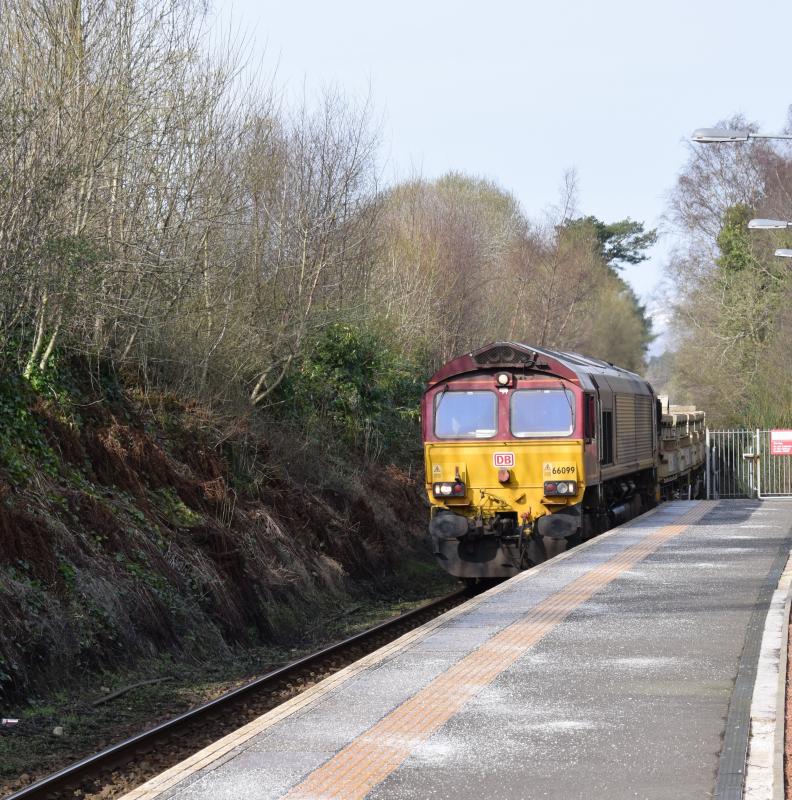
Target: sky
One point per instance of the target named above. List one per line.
(521, 92)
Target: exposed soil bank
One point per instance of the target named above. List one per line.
(140, 536)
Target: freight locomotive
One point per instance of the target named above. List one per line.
(530, 451)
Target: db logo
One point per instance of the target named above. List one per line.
(503, 459)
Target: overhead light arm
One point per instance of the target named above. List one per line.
(713, 135)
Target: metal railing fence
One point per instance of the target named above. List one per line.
(740, 465)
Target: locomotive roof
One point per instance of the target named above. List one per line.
(514, 355)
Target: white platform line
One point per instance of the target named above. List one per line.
(764, 776)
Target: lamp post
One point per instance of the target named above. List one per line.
(720, 135)
(716, 135)
(773, 225)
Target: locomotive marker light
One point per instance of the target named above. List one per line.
(717, 135)
(560, 488)
(768, 224)
(445, 489)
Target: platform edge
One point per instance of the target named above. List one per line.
(764, 777)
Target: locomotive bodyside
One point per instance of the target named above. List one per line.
(529, 450)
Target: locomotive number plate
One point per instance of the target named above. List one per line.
(556, 470)
(503, 459)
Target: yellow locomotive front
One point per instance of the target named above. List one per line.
(505, 458)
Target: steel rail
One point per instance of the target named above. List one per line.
(124, 751)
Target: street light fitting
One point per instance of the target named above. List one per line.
(711, 135)
(769, 224)
(784, 253)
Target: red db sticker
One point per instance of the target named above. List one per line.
(503, 459)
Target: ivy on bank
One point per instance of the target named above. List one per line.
(355, 389)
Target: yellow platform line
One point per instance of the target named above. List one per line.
(353, 772)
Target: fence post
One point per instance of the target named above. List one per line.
(758, 462)
(707, 460)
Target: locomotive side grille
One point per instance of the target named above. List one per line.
(645, 413)
(626, 446)
(634, 420)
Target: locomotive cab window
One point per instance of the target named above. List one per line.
(466, 415)
(542, 412)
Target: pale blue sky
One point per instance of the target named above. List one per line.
(520, 92)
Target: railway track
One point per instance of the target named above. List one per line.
(121, 767)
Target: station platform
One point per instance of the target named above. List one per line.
(621, 669)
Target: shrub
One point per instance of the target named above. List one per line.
(355, 389)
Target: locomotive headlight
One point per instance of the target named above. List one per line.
(562, 488)
(455, 489)
(503, 379)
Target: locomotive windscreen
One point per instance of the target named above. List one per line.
(542, 412)
(466, 415)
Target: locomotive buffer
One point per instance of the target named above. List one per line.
(620, 669)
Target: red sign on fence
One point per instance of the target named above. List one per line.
(781, 443)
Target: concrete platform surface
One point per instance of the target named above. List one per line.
(617, 670)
